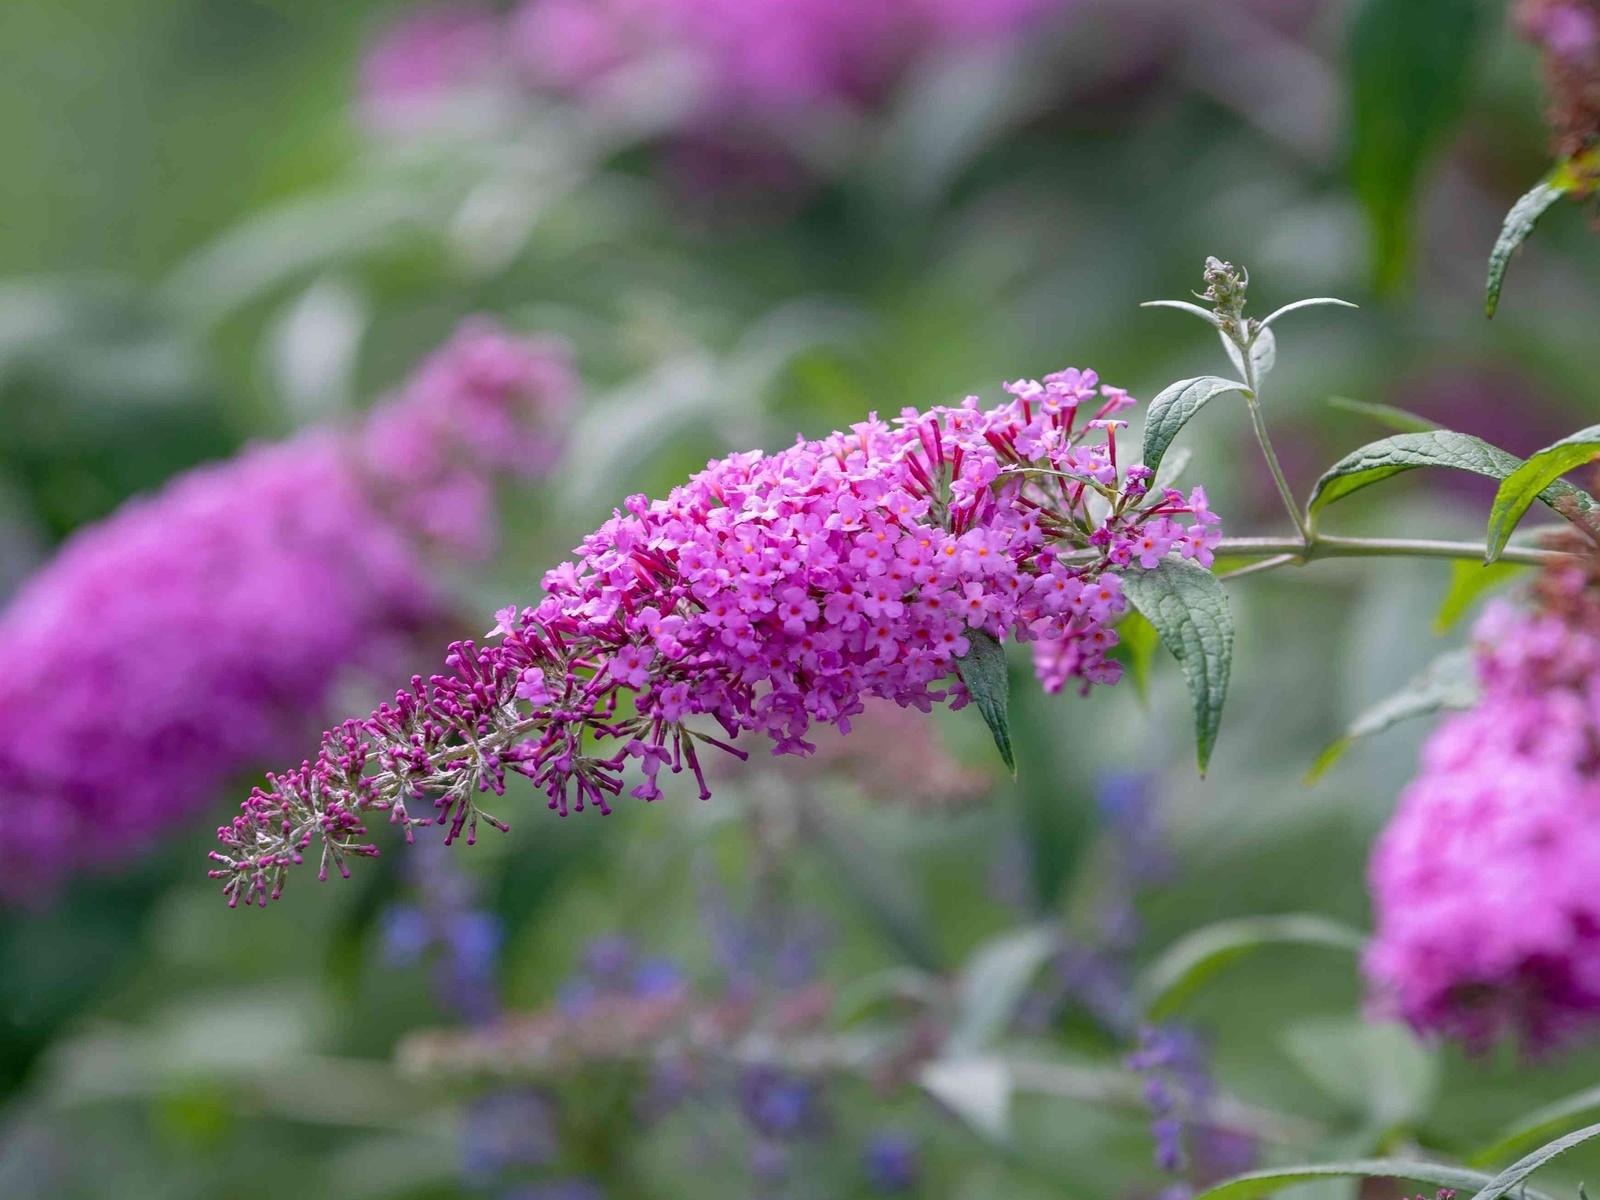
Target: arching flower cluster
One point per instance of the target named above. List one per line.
(1488, 920)
(186, 638)
(766, 594)
(731, 59)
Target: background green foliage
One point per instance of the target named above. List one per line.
(191, 216)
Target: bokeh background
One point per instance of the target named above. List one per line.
(221, 224)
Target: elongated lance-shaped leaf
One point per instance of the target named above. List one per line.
(1513, 1177)
(1519, 223)
(1185, 965)
(1261, 1183)
(1435, 448)
(1189, 608)
(1172, 409)
(1448, 682)
(1263, 353)
(994, 983)
(983, 670)
(1534, 478)
(1136, 643)
(1397, 419)
(1308, 303)
(1535, 1128)
(1205, 314)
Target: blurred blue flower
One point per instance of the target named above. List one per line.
(406, 933)
(778, 1103)
(657, 977)
(891, 1161)
(513, 1128)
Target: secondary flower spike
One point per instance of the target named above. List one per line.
(186, 638)
(1483, 885)
(767, 593)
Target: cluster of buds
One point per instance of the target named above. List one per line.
(768, 593)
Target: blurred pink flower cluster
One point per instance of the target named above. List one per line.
(768, 593)
(1488, 913)
(194, 633)
(1568, 34)
(740, 59)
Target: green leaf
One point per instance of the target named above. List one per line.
(1185, 965)
(1171, 410)
(875, 880)
(993, 983)
(1536, 1127)
(1519, 223)
(983, 670)
(1468, 581)
(1261, 1183)
(1447, 682)
(1263, 352)
(1409, 67)
(1514, 1175)
(1534, 478)
(1435, 448)
(1137, 640)
(1173, 466)
(1380, 1071)
(1188, 607)
(978, 1090)
(1205, 314)
(1397, 419)
(1289, 308)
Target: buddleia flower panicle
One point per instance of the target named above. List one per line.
(767, 594)
(1567, 32)
(184, 639)
(1483, 884)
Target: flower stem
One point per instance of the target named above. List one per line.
(1253, 400)
(1291, 550)
(1275, 552)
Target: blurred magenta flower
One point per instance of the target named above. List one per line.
(768, 593)
(1483, 885)
(755, 58)
(723, 62)
(196, 632)
(428, 57)
(1568, 34)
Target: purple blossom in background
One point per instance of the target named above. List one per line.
(1568, 32)
(195, 632)
(768, 593)
(507, 1131)
(1178, 1088)
(1484, 883)
(446, 926)
(891, 1161)
(773, 57)
(736, 61)
(426, 58)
